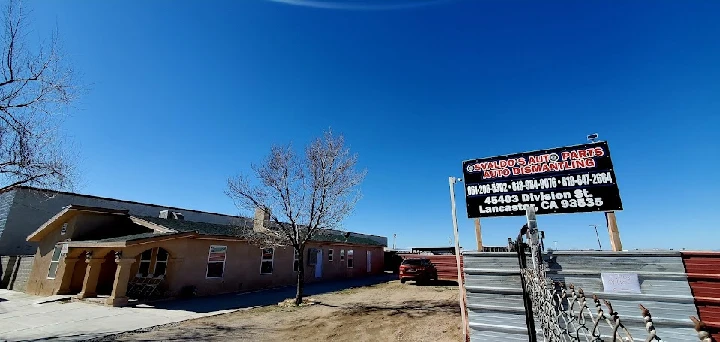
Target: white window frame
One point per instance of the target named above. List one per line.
(342, 255)
(262, 260)
(148, 261)
(296, 261)
(215, 262)
(350, 256)
(330, 255)
(56, 262)
(157, 252)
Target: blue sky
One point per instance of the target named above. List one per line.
(183, 94)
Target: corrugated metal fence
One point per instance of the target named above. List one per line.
(703, 271)
(494, 291)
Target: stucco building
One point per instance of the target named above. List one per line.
(109, 254)
(23, 209)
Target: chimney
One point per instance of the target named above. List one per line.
(171, 215)
(262, 219)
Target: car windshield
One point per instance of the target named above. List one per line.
(412, 262)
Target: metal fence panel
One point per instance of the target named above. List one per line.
(494, 292)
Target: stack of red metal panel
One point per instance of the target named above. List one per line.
(703, 271)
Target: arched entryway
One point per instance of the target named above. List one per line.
(148, 279)
(78, 274)
(106, 278)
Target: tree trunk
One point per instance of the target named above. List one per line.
(300, 276)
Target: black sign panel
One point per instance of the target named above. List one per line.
(571, 179)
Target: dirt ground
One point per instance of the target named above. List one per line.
(385, 312)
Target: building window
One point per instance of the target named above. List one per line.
(266, 262)
(312, 259)
(54, 262)
(145, 259)
(330, 255)
(342, 255)
(296, 261)
(350, 258)
(216, 261)
(161, 259)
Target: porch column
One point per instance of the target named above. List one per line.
(92, 273)
(122, 277)
(66, 272)
(174, 269)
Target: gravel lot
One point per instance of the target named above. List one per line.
(385, 312)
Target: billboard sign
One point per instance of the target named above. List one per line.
(571, 179)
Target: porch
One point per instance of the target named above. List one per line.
(114, 276)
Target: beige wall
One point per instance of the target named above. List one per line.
(188, 265)
(38, 283)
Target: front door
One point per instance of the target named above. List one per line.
(369, 258)
(318, 264)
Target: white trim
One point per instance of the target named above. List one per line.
(207, 267)
(262, 260)
(368, 260)
(157, 250)
(148, 261)
(331, 255)
(296, 258)
(342, 255)
(350, 256)
(57, 262)
(154, 226)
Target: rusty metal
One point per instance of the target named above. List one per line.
(564, 313)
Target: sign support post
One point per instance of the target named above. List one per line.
(478, 235)
(613, 231)
(461, 285)
(533, 236)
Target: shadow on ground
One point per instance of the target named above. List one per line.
(436, 283)
(265, 297)
(409, 308)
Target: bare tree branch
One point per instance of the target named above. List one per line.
(302, 196)
(36, 89)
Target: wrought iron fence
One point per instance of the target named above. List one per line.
(563, 312)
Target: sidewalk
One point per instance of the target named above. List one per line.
(30, 318)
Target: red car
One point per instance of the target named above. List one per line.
(418, 270)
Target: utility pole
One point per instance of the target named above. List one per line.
(461, 285)
(394, 237)
(597, 235)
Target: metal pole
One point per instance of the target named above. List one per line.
(461, 286)
(533, 236)
(597, 235)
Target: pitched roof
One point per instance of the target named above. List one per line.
(134, 237)
(66, 214)
(203, 228)
(337, 237)
(244, 227)
(123, 241)
(50, 191)
(163, 226)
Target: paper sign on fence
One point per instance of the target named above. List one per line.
(620, 282)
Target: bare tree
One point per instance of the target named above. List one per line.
(37, 86)
(300, 195)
